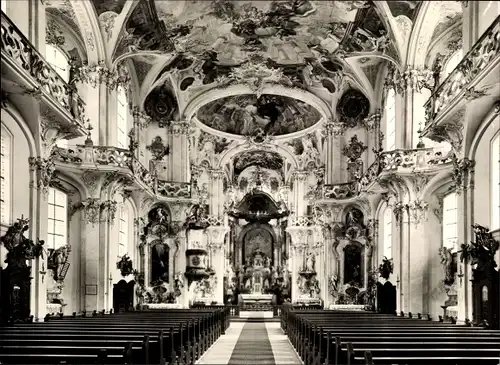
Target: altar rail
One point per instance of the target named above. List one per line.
(484, 53)
(236, 309)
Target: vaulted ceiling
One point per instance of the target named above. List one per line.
(183, 53)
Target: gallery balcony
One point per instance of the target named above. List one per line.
(474, 82)
(107, 159)
(29, 80)
(400, 161)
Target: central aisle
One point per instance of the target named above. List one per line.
(253, 346)
(252, 343)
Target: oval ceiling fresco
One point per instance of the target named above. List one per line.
(249, 115)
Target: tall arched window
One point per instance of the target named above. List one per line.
(58, 61)
(57, 233)
(121, 118)
(388, 233)
(390, 120)
(124, 230)
(452, 63)
(450, 232)
(495, 183)
(5, 174)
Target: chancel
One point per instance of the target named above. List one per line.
(213, 182)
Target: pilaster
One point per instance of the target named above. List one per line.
(141, 121)
(334, 131)
(299, 179)
(298, 247)
(217, 253)
(39, 271)
(418, 269)
(180, 163)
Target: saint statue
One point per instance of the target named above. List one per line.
(310, 261)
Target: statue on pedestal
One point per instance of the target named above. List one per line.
(310, 262)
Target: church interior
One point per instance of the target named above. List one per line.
(230, 182)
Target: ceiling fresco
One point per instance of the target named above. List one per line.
(249, 115)
(286, 32)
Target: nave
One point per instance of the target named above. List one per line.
(211, 336)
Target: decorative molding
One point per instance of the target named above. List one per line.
(96, 74)
(334, 128)
(462, 173)
(354, 149)
(372, 122)
(20, 51)
(54, 34)
(417, 210)
(44, 172)
(91, 208)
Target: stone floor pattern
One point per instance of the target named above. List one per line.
(252, 343)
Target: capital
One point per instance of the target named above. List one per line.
(334, 128)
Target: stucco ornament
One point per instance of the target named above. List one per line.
(417, 210)
(91, 208)
(44, 172)
(254, 75)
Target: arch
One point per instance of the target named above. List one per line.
(16, 117)
(249, 196)
(415, 43)
(229, 154)
(442, 179)
(74, 181)
(86, 18)
(251, 226)
(354, 205)
(428, 17)
(492, 116)
(70, 36)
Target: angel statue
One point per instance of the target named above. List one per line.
(333, 282)
(448, 263)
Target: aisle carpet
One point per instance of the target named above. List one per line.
(253, 346)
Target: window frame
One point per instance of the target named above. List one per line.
(495, 182)
(52, 59)
(123, 230)
(388, 221)
(121, 117)
(390, 119)
(52, 230)
(446, 239)
(6, 157)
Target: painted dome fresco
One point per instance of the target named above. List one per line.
(236, 29)
(248, 114)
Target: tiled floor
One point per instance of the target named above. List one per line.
(252, 343)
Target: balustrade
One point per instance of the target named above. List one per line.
(108, 156)
(18, 49)
(484, 53)
(400, 160)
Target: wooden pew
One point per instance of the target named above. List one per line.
(145, 337)
(326, 337)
